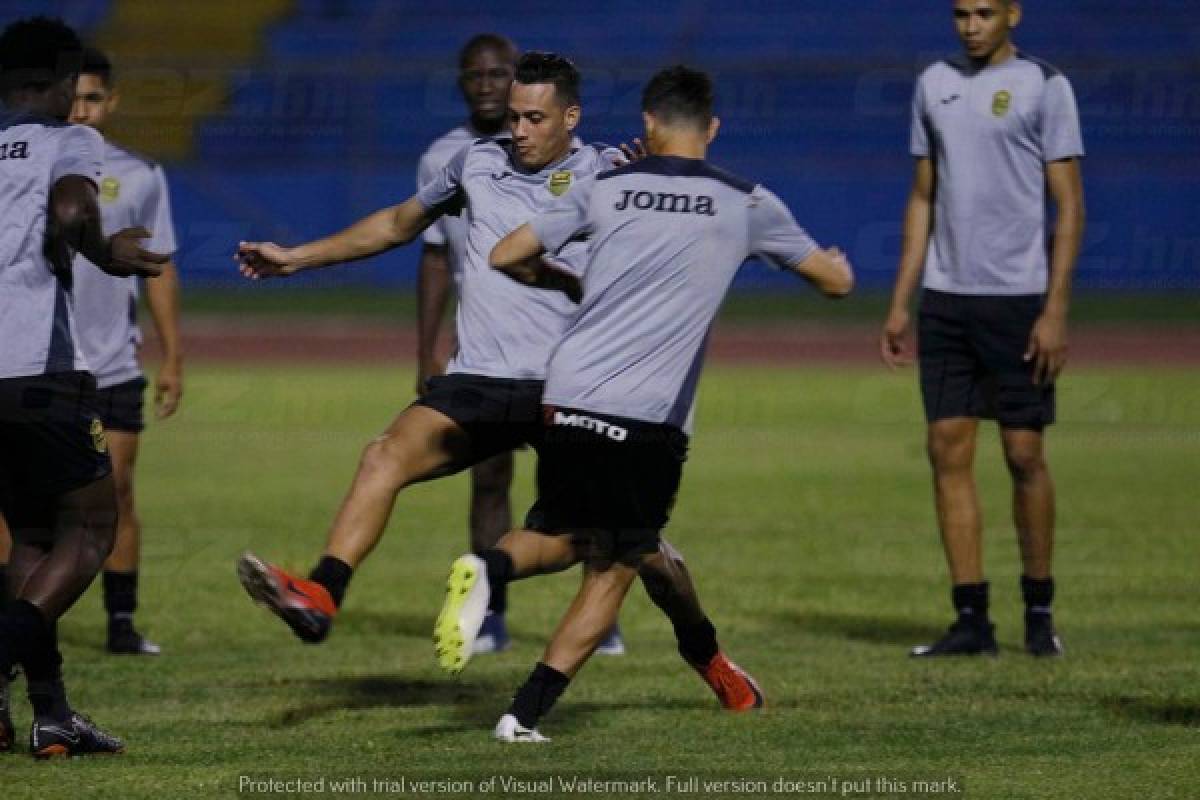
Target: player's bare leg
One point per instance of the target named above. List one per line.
(490, 518)
(57, 552)
(419, 445)
(951, 449)
(1033, 516)
(121, 568)
(5, 550)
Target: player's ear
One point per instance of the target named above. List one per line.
(714, 125)
(1014, 14)
(572, 116)
(114, 99)
(648, 124)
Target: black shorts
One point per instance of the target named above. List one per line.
(608, 476)
(498, 414)
(51, 441)
(121, 406)
(971, 352)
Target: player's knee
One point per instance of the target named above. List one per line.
(386, 460)
(492, 478)
(1025, 464)
(948, 452)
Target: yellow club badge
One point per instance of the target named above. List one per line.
(559, 182)
(110, 188)
(1001, 102)
(98, 441)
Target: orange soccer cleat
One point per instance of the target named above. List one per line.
(306, 606)
(732, 685)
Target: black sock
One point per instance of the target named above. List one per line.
(334, 574)
(22, 628)
(3, 587)
(1038, 594)
(499, 567)
(697, 642)
(120, 593)
(971, 602)
(498, 599)
(538, 694)
(43, 664)
(48, 696)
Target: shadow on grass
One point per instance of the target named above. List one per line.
(862, 628)
(474, 700)
(1160, 712)
(362, 621)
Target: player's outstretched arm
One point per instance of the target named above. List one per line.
(75, 227)
(829, 271)
(894, 348)
(383, 230)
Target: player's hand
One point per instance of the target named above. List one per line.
(633, 152)
(428, 368)
(168, 389)
(893, 342)
(257, 260)
(127, 258)
(1048, 347)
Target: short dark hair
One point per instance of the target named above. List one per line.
(487, 41)
(540, 67)
(36, 53)
(95, 62)
(680, 94)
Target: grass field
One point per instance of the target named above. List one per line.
(806, 517)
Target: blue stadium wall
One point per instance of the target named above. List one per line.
(814, 97)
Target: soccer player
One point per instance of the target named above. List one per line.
(56, 487)
(992, 130)
(486, 64)
(133, 192)
(667, 234)
(490, 399)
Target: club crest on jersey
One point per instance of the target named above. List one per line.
(1001, 102)
(559, 182)
(110, 189)
(99, 442)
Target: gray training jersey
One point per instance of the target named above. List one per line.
(133, 192)
(505, 329)
(37, 325)
(449, 231)
(990, 133)
(667, 235)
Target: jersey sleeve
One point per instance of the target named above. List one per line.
(155, 215)
(918, 143)
(567, 219)
(444, 192)
(435, 234)
(80, 152)
(1061, 134)
(774, 235)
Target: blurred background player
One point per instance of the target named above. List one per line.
(992, 129)
(56, 487)
(133, 192)
(666, 236)
(486, 65)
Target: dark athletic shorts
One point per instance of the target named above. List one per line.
(971, 352)
(611, 477)
(121, 406)
(51, 442)
(498, 414)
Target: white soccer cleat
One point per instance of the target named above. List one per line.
(457, 627)
(509, 730)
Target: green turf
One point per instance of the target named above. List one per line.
(806, 517)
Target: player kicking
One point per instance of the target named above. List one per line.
(56, 486)
(667, 234)
(486, 65)
(489, 401)
(133, 192)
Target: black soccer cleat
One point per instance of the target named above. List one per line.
(78, 736)
(1040, 637)
(123, 639)
(964, 638)
(7, 733)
